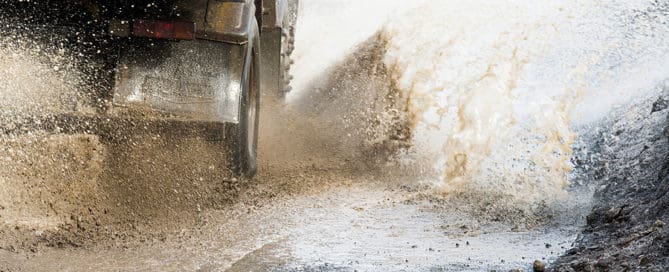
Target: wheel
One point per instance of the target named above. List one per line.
(242, 137)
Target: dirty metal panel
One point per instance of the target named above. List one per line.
(228, 21)
(194, 80)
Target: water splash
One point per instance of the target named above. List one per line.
(463, 66)
(39, 79)
(492, 87)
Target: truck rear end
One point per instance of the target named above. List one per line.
(192, 64)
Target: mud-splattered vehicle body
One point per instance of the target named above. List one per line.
(195, 64)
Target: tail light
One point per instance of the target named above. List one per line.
(163, 30)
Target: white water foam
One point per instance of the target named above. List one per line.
(496, 89)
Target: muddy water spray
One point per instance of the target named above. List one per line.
(494, 85)
(43, 177)
(39, 79)
(465, 84)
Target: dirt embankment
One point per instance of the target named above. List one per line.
(627, 229)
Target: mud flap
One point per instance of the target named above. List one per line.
(195, 81)
(198, 80)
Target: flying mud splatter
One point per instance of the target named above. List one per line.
(492, 95)
(483, 90)
(38, 79)
(353, 110)
(470, 96)
(494, 86)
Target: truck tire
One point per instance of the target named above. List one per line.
(242, 137)
(288, 46)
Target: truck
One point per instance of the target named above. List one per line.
(191, 65)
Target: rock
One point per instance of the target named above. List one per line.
(659, 223)
(645, 260)
(660, 105)
(604, 263)
(539, 266)
(582, 266)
